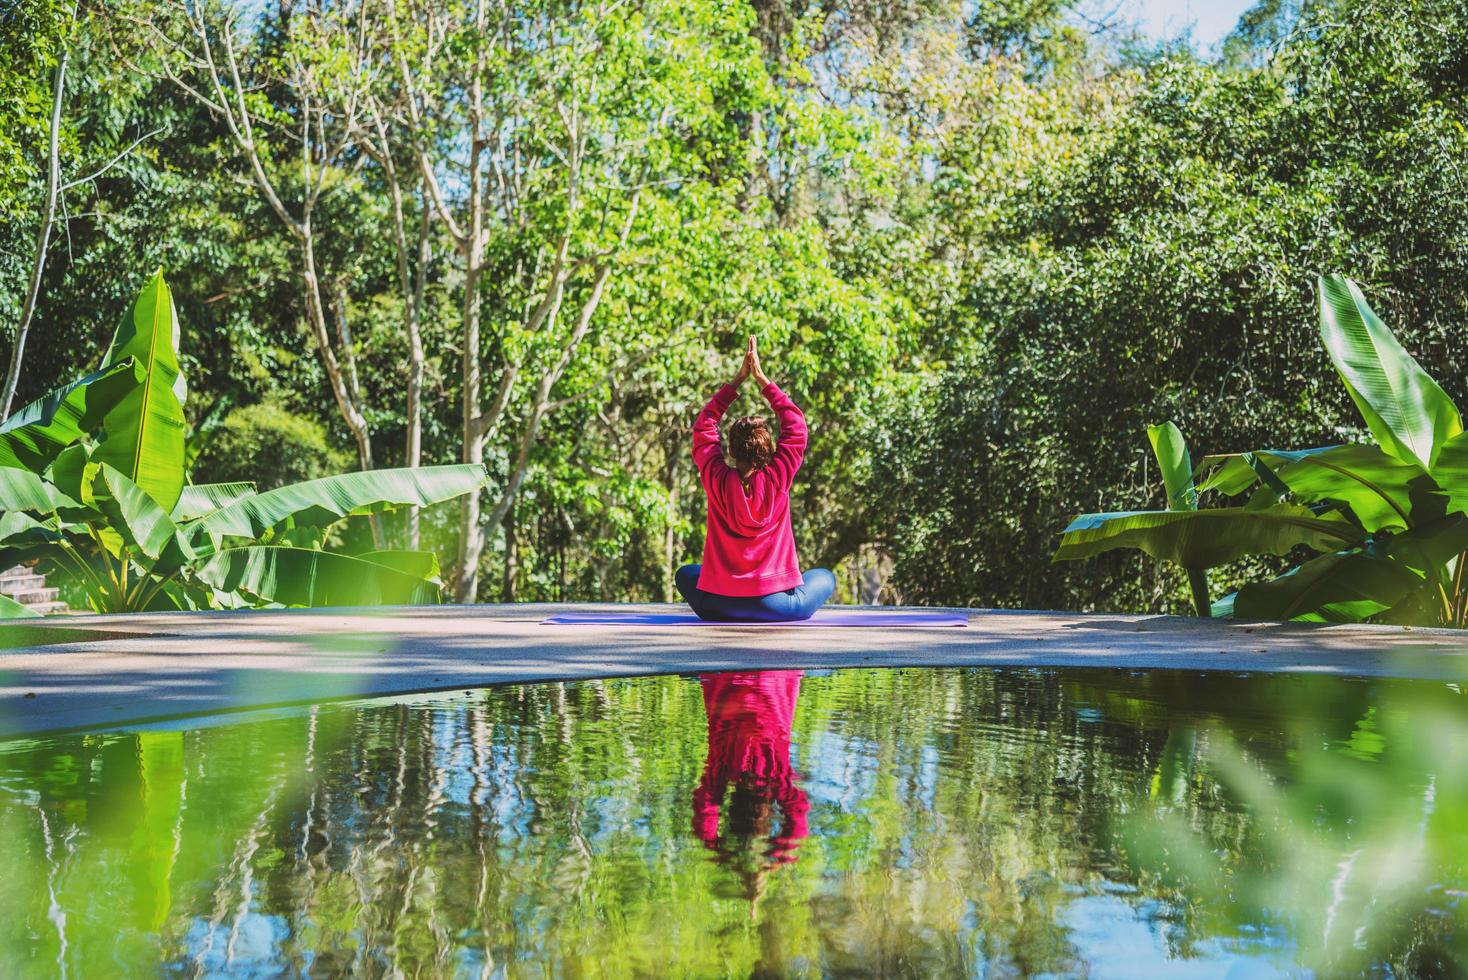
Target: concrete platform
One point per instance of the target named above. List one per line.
(102, 672)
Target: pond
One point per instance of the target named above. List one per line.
(937, 822)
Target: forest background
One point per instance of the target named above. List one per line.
(982, 244)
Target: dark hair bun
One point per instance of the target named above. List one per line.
(750, 444)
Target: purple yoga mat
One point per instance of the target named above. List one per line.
(823, 617)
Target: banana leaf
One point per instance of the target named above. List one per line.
(1375, 485)
(1411, 417)
(154, 854)
(1176, 465)
(1230, 473)
(74, 474)
(291, 536)
(1352, 586)
(317, 503)
(1171, 451)
(1207, 538)
(132, 514)
(143, 434)
(1429, 547)
(1224, 608)
(1344, 587)
(421, 564)
(35, 435)
(23, 490)
(1451, 471)
(302, 577)
(1175, 769)
(173, 596)
(198, 499)
(23, 539)
(1418, 607)
(18, 528)
(10, 609)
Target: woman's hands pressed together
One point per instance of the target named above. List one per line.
(751, 357)
(743, 371)
(750, 366)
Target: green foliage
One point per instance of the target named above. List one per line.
(1354, 845)
(1171, 451)
(268, 444)
(321, 503)
(143, 434)
(1155, 265)
(1403, 560)
(31, 33)
(982, 249)
(37, 433)
(1410, 417)
(1377, 487)
(10, 609)
(1205, 538)
(135, 546)
(308, 577)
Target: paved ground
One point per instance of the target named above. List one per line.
(105, 671)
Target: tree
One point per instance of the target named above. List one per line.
(43, 231)
(1160, 268)
(547, 114)
(55, 28)
(236, 77)
(94, 484)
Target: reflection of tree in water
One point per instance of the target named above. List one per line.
(749, 717)
(955, 818)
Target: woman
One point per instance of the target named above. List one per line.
(749, 571)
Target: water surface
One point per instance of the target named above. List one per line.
(859, 822)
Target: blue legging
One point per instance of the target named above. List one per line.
(800, 602)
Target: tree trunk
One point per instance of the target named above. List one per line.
(413, 325)
(43, 239)
(507, 582)
(411, 283)
(345, 401)
(316, 315)
(1198, 584)
(670, 538)
(471, 539)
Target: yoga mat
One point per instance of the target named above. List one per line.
(823, 617)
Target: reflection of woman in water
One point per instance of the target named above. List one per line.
(749, 718)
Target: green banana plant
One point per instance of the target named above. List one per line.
(93, 485)
(1409, 415)
(1176, 464)
(10, 609)
(142, 435)
(1196, 540)
(1400, 504)
(36, 434)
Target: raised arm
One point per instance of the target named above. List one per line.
(707, 451)
(793, 434)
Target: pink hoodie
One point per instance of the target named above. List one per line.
(749, 549)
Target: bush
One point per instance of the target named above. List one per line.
(270, 446)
